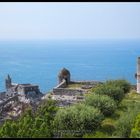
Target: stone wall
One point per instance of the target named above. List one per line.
(86, 82)
(14, 98)
(62, 90)
(65, 91)
(2, 95)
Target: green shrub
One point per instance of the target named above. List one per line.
(106, 104)
(29, 124)
(114, 88)
(77, 120)
(123, 84)
(111, 90)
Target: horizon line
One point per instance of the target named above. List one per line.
(68, 39)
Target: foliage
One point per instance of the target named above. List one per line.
(106, 104)
(108, 126)
(123, 84)
(135, 132)
(111, 90)
(106, 112)
(77, 118)
(47, 109)
(8, 129)
(32, 125)
(126, 121)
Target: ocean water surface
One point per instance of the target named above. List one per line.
(39, 62)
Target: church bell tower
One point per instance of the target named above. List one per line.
(8, 82)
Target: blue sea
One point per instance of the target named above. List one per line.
(39, 62)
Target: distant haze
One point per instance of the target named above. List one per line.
(63, 20)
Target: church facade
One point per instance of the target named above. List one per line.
(23, 89)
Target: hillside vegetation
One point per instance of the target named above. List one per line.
(110, 110)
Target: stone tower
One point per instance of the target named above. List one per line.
(8, 82)
(64, 74)
(138, 75)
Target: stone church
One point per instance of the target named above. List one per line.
(25, 89)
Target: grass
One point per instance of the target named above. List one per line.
(133, 96)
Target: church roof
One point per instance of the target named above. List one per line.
(27, 85)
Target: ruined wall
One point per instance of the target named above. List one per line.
(14, 98)
(62, 90)
(2, 95)
(86, 82)
(65, 91)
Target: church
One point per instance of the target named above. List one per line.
(23, 89)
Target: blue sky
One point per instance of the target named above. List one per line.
(63, 20)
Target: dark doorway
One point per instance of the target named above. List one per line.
(66, 81)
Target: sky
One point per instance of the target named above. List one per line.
(69, 20)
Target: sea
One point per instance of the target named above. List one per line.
(39, 62)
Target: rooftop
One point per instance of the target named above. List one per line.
(28, 85)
